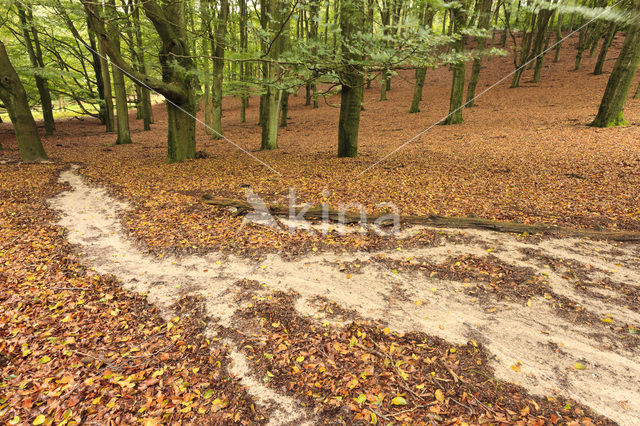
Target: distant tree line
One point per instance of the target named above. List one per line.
(104, 55)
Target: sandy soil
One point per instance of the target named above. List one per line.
(533, 334)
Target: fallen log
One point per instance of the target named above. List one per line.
(348, 217)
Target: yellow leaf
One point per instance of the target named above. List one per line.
(607, 320)
(39, 420)
(398, 400)
(579, 366)
(439, 395)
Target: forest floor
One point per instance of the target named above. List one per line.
(125, 296)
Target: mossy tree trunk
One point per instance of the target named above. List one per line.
(14, 98)
(352, 17)
(611, 112)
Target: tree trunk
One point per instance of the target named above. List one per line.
(218, 68)
(179, 81)
(417, 90)
(285, 109)
(207, 52)
(352, 16)
(484, 19)
(457, 83)
(350, 107)
(14, 98)
(145, 95)
(637, 95)
(271, 107)
(122, 109)
(244, 66)
(525, 49)
(611, 112)
(35, 56)
(559, 37)
(182, 131)
(106, 82)
(602, 56)
(544, 17)
(270, 101)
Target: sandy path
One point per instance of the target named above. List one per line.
(532, 334)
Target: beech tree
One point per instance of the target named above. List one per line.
(611, 111)
(179, 80)
(351, 79)
(14, 99)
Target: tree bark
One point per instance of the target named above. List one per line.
(145, 94)
(14, 98)
(270, 101)
(417, 90)
(119, 88)
(107, 93)
(558, 37)
(459, 19)
(544, 17)
(484, 19)
(32, 44)
(218, 68)
(602, 56)
(352, 15)
(244, 67)
(611, 112)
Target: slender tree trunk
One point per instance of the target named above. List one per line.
(637, 95)
(602, 56)
(244, 66)
(352, 17)
(14, 98)
(145, 95)
(544, 17)
(35, 56)
(457, 83)
(108, 96)
(285, 109)
(119, 89)
(484, 19)
(525, 49)
(270, 101)
(207, 52)
(559, 37)
(417, 90)
(611, 112)
(218, 68)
